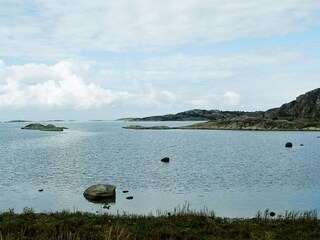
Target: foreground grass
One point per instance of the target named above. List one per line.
(180, 224)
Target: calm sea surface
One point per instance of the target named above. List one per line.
(233, 173)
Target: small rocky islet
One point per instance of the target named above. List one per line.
(41, 127)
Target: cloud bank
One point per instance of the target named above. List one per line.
(57, 86)
(55, 29)
(148, 57)
(65, 85)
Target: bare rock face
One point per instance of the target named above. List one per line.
(100, 192)
(300, 114)
(306, 108)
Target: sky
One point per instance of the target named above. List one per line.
(85, 60)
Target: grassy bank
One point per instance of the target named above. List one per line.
(180, 224)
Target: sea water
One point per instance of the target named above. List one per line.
(233, 173)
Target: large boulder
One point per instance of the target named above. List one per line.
(100, 192)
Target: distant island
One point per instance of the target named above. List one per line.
(41, 127)
(300, 114)
(17, 121)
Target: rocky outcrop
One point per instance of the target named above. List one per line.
(199, 115)
(41, 127)
(305, 109)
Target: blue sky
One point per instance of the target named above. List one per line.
(68, 59)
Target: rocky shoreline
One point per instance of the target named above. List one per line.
(232, 125)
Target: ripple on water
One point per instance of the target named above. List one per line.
(231, 172)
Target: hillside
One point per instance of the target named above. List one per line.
(300, 114)
(306, 108)
(200, 115)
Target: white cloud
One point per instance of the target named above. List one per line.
(168, 83)
(232, 98)
(51, 86)
(223, 101)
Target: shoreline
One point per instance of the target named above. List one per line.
(181, 224)
(160, 127)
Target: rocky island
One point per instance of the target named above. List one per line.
(301, 114)
(147, 128)
(41, 127)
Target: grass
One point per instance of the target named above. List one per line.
(181, 223)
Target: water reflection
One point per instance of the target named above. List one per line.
(105, 201)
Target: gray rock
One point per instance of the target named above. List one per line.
(100, 192)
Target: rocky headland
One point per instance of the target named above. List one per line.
(303, 113)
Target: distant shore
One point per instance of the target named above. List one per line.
(233, 125)
(301, 114)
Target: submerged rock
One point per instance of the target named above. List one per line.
(100, 192)
(41, 127)
(288, 144)
(165, 159)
